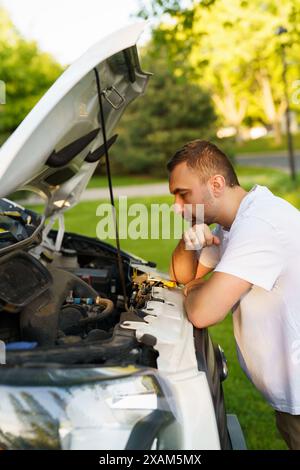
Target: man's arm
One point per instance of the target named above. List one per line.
(185, 265)
(188, 266)
(209, 302)
(254, 256)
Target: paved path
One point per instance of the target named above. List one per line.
(268, 159)
(94, 194)
(154, 189)
(278, 160)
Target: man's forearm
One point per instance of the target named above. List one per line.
(183, 264)
(197, 306)
(207, 303)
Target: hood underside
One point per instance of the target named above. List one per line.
(57, 147)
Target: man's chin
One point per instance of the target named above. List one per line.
(201, 221)
(195, 221)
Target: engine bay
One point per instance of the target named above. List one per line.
(65, 307)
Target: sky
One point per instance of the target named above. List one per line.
(67, 28)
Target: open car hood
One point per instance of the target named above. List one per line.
(57, 147)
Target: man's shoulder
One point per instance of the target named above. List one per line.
(270, 210)
(251, 225)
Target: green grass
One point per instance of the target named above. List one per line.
(83, 219)
(128, 180)
(263, 144)
(255, 415)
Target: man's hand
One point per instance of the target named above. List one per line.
(185, 263)
(198, 236)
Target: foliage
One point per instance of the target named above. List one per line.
(233, 48)
(26, 71)
(172, 112)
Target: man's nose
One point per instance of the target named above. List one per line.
(178, 207)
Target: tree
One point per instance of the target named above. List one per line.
(172, 112)
(234, 50)
(26, 71)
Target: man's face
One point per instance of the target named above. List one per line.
(188, 190)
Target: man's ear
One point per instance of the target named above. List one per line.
(218, 184)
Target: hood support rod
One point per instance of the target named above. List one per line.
(112, 201)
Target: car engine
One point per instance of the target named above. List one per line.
(66, 306)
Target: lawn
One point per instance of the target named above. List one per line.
(255, 415)
(101, 181)
(263, 144)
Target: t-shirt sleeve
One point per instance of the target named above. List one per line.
(209, 256)
(253, 253)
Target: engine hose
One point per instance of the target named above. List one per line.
(109, 306)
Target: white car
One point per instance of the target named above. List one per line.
(81, 370)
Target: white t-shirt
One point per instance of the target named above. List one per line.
(263, 247)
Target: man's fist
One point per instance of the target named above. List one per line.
(198, 236)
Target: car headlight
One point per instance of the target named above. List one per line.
(112, 411)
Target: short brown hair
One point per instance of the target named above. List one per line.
(207, 158)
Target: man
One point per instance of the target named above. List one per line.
(254, 252)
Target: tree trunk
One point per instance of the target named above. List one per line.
(277, 132)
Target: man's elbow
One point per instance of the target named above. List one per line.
(185, 279)
(181, 278)
(203, 319)
(198, 320)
